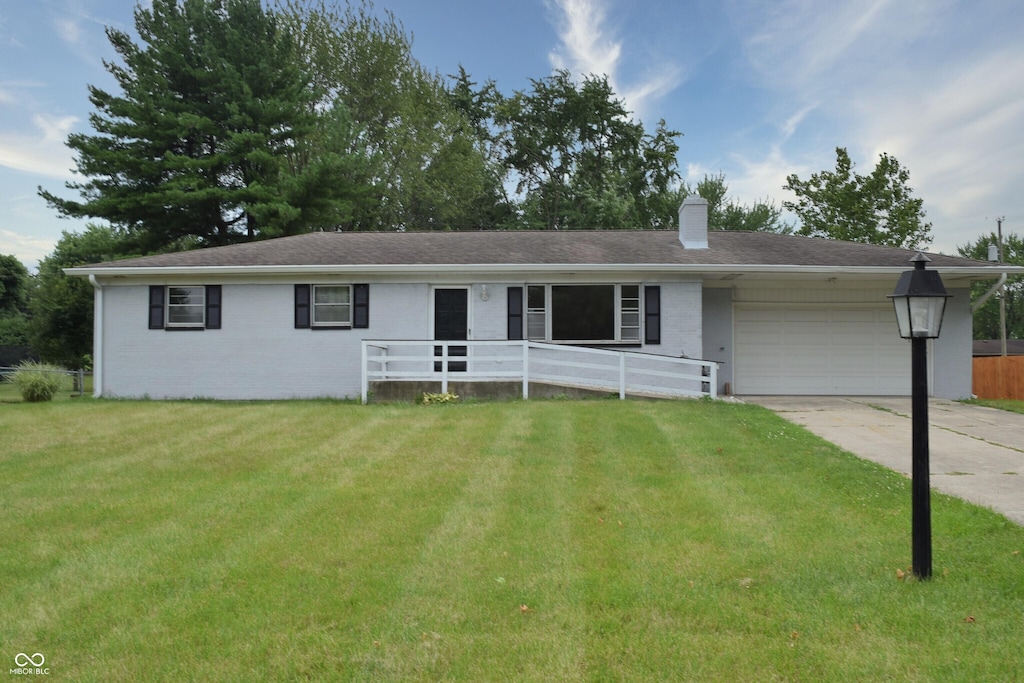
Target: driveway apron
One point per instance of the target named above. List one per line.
(976, 453)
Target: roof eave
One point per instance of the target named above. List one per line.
(974, 272)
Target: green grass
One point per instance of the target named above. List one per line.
(1001, 403)
(530, 541)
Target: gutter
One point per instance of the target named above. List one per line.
(988, 295)
(97, 338)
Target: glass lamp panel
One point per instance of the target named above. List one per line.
(926, 315)
(902, 315)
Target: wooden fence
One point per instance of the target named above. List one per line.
(999, 377)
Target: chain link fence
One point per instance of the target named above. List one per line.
(77, 377)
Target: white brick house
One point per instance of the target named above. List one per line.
(286, 318)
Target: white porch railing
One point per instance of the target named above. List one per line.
(524, 361)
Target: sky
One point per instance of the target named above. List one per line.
(760, 89)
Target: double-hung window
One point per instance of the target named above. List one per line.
(332, 306)
(184, 307)
(586, 313)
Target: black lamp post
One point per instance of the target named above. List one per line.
(920, 301)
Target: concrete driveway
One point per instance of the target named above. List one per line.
(976, 453)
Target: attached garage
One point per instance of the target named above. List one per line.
(819, 350)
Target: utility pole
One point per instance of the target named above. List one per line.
(1002, 295)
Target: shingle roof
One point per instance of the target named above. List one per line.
(507, 248)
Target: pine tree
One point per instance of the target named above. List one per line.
(212, 136)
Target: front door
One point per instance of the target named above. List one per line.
(451, 323)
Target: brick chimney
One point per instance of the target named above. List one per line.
(693, 222)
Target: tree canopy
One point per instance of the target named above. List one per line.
(15, 294)
(725, 213)
(60, 328)
(875, 209)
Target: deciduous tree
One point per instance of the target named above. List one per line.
(876, 209)
(60, 330)
(580, 161)
(725, 213)
(15, 293)
(424, 166)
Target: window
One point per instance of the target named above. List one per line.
(629, 313)
(587, 313)
(328, 307)
(536, 313)
(184, 307)
(332, 305)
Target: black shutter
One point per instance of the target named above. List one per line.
(515, 312)
(156, 307)
(213, 307)
(302, 306)
(361, 306)
(652, 314)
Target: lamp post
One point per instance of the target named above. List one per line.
(920, 301)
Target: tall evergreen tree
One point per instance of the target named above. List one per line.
(210, 136)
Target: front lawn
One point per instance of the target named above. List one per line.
(527, 541)
(1012, 405)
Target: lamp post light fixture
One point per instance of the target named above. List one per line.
(920, 301)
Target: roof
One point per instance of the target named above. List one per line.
(992, 347)
(506, 251)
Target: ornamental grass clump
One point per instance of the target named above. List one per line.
(37, 382)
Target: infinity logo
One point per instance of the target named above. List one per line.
(22, 659)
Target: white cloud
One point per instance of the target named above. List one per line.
(933, 84)
(42, 152)
(588, 47)
(26, 248)
(581, 35)
(68, 30)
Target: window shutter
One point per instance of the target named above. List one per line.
(652, 314)
(361, 306)
(302, 306)
(515, 312)
(156, 307)
(213, 307)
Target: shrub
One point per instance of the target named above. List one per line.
(38, 382)
(447, 397)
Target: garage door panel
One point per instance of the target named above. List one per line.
(819, 350)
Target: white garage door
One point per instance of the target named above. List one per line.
(820, 351)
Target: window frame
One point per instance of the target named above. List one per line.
(628, 307)
(170, 308)
(314, 306)
(161, 308)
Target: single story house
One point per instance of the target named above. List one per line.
(288, 317)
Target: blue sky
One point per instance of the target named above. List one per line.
(760, 89)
